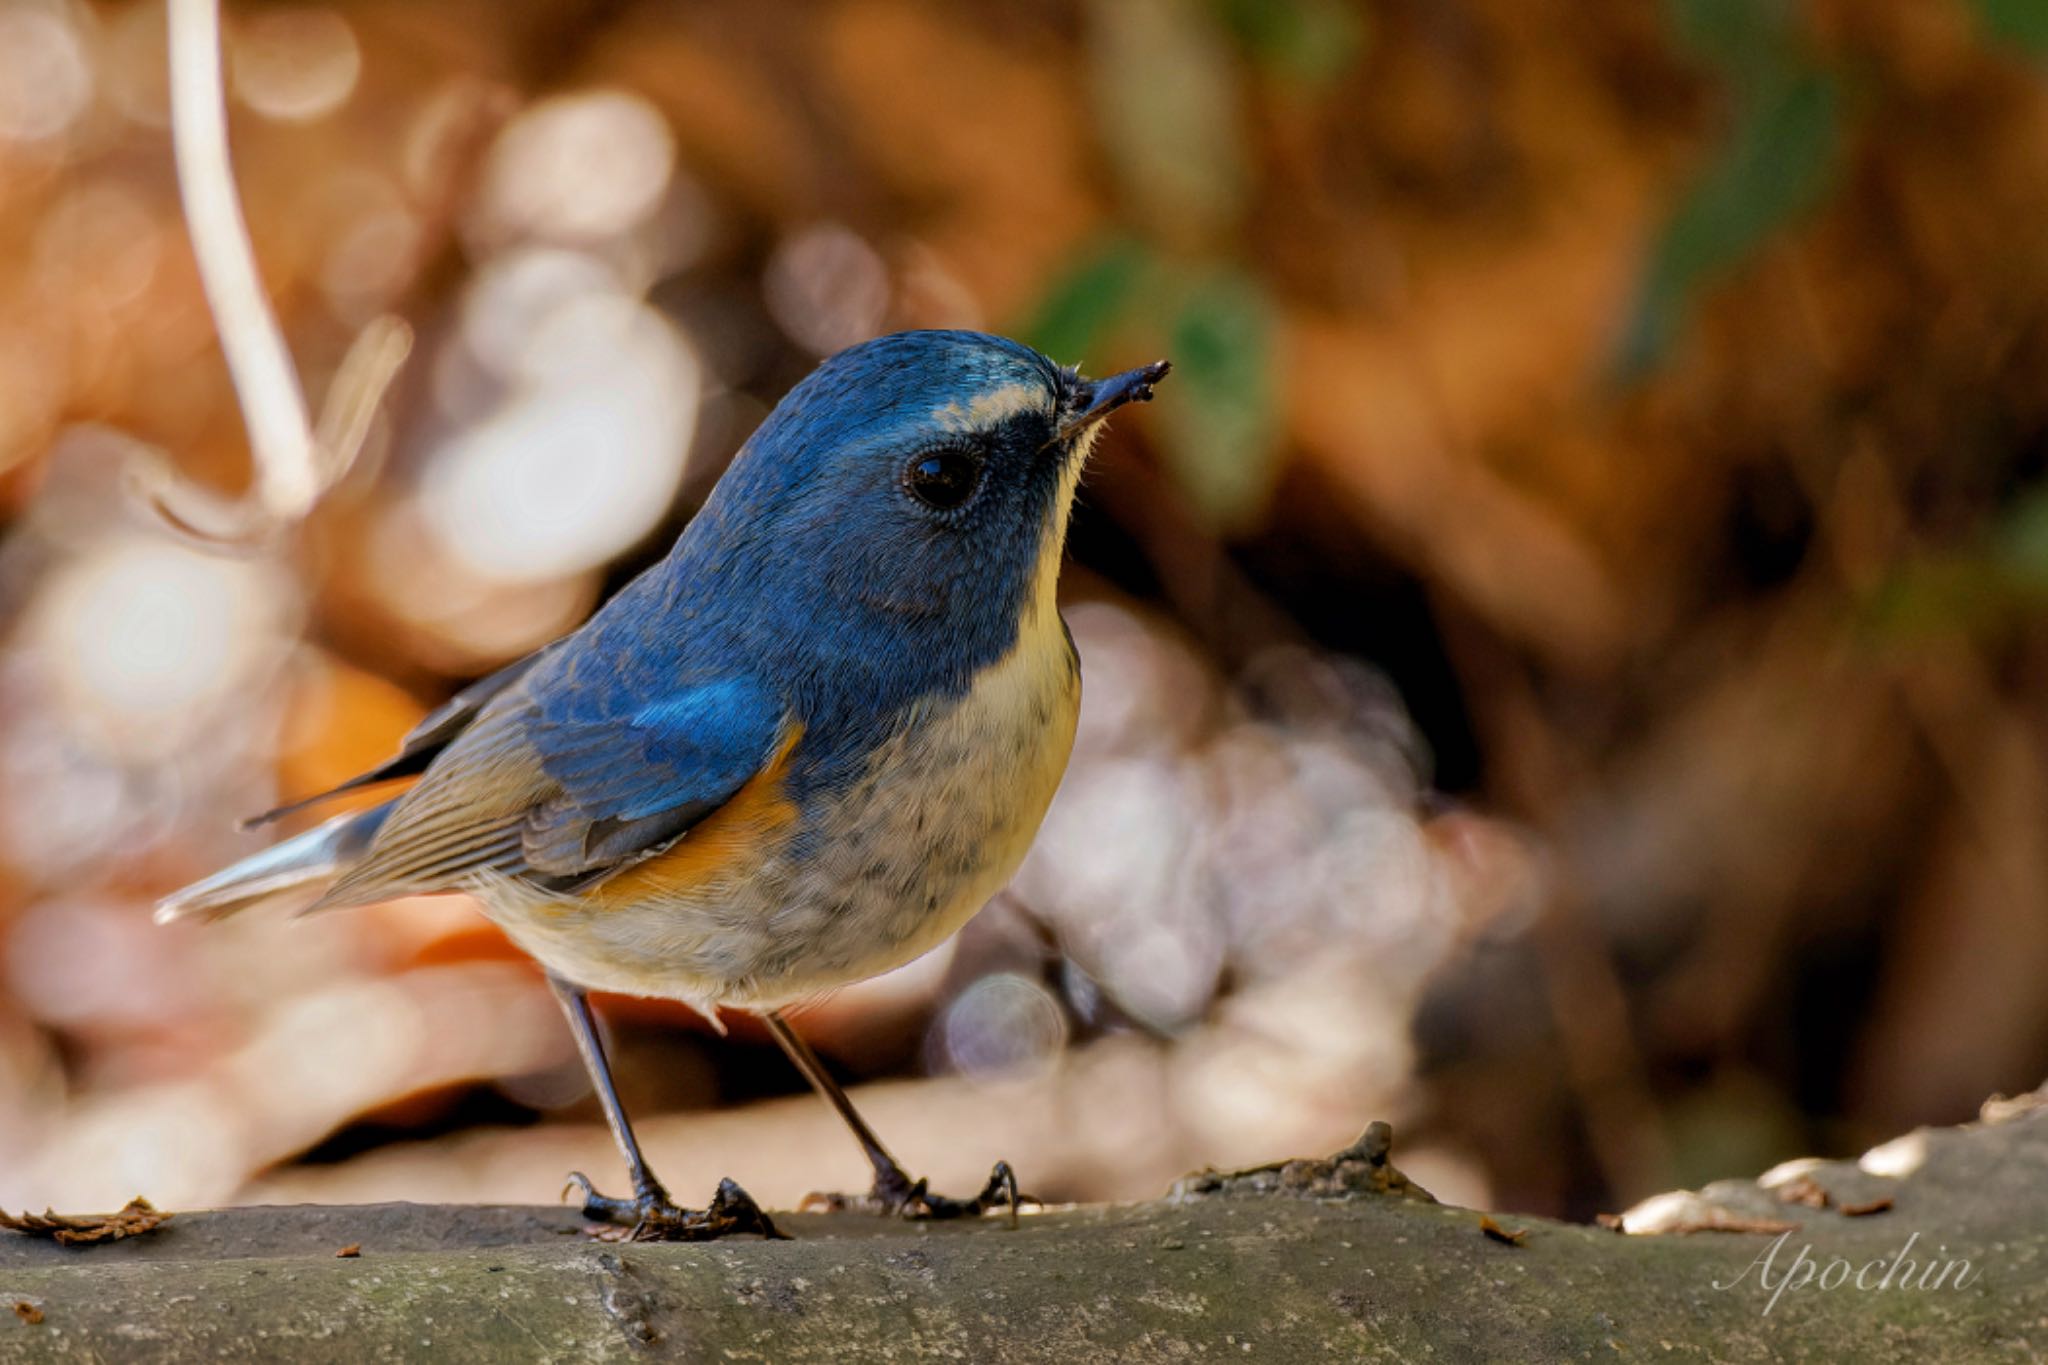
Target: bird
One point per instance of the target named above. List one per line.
(800, 750)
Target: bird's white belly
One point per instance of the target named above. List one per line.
(866, 879)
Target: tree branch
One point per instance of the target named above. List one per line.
(1305, 1260)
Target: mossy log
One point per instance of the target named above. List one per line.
(1303, 1261)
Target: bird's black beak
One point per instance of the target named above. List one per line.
(1099, 399)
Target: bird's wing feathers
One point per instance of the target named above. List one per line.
(631, 783)
(569, 785)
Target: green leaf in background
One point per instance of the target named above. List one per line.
(1220, 431)
(1989, 586)
(1221, 425)
(1747, 39)
(1087, 301)
(2021, 541)
(2023, 23)
(1169, 110)
(1310, 42)
(1777, 165)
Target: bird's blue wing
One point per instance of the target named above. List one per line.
(631, 775)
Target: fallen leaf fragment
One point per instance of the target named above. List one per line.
(1513, 1237)
(1680, 1212)
(349, 1252)
(1864, 1210)
(1803, 1190)
(138, 1217)
(1727, 1222)
(27, 1312)
(1720, 1220)
(2004, 1109)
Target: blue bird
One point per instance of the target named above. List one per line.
(803, 749)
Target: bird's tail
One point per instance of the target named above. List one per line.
(294, 873)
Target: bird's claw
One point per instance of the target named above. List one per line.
(651, 1216)
(897, 1195)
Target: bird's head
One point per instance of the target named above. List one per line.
(922, 478)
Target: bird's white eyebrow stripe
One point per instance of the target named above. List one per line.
(992, 409)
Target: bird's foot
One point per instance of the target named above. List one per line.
(651, 1216)
(897, 1195)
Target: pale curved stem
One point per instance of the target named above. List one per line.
(293, 464)
(280, 432)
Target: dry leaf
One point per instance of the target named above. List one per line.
(70, 1230)
(2004, 1109)
(1505, 1236)
(1804, 1190)
(349, 1252)
(27, 1312)
(1687, 1211)
(1722, 1221)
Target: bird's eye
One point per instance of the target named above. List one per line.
(943, 479)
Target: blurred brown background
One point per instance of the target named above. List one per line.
(1565, 656)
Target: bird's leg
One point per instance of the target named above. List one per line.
(893, 1191)
(650, 1214)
